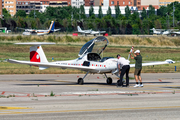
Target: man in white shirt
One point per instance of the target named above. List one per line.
(124, 64)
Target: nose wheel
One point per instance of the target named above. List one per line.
(109, 81)
(80, 81)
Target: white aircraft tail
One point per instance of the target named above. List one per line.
(79, 29)
(36, 51)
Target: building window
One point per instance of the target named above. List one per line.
(112, 2)
(123, 2)
(129, 2)
(117, 2)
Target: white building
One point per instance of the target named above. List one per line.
(105, 8)
(77, 3)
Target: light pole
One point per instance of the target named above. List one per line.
(173, 13)
(34, 10)
(167, 15)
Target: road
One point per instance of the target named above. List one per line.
(56, 96)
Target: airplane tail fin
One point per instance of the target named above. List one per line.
(79, 29)
(37, 54)
(52, 26)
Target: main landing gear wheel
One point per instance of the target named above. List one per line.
(109, 81)
(80, 81)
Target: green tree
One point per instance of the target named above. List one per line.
(91, 11)
(151, 11)
(109, 11)
(162, 11)
(117, 10)
(177, 12)
(144, 13)
(5, 13)
(21, 22)
(100, 15)
(20, 13)
(40, 16)
(127, 12)
(82, 12)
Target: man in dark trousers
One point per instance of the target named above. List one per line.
(124, 64)
(138, 67)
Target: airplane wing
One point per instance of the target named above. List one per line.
(55, 30)
(155, 63)
(102, 31)
(49, 64)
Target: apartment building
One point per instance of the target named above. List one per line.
(77, 3)
(1, 9)
(166, 2)
(136, 3)
(40, 5)
(145, 4)
(10, 6)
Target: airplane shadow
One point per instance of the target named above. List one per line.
(75, 83)
(39, 80)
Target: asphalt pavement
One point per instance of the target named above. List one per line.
(58, 96)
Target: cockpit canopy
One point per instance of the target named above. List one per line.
(96, 45)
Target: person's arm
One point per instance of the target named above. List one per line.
(119, 67)
(131, 55)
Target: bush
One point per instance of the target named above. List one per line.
(19, 37)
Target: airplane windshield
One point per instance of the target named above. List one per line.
(96, 45)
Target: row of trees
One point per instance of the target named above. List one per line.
(68, 18)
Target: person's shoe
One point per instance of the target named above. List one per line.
(140, 85)
(127, 86)
(136, 85)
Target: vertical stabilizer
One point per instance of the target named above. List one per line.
(79, 29)
(37, 54)
(51, 28)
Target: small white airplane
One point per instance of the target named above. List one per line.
(166, 32)
(90, 31)
(157, 31)
(175, 33)
(89, 59)
(41, 32)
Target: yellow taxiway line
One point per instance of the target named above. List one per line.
(12, 108)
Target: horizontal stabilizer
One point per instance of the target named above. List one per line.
(36, 43)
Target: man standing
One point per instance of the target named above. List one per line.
(124, 64)
(138, 67)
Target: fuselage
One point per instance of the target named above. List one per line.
(106, 66)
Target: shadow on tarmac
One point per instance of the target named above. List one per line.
(85, 83)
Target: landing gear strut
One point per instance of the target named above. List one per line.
(81, 80)
(109, 80)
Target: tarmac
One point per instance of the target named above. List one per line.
(58, 96)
